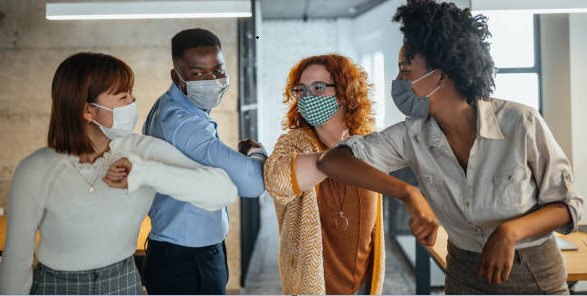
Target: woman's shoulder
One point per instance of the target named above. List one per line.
(510, 110)
(298, 140)
(38, 161)
(302, 133)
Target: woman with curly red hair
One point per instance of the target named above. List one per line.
(331, 234)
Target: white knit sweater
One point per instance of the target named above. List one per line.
(82, 230)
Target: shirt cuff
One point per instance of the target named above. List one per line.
(258, 153)
(573, 203)
(294, 178)
(137, 174)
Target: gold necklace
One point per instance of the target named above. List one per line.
(91, 184)
(341, 223)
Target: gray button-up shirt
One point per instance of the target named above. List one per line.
(515, 167)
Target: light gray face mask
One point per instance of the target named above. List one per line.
(206, 94)
(124, 120)
(407, 101)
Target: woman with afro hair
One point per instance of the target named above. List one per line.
(490, 169)
(331, 234)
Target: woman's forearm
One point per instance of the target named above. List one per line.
(341, 165)
(307, 172)
(540, 222)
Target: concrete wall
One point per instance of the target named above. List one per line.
(32, 47)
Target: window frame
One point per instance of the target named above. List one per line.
(537, 68)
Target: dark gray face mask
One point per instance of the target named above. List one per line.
(407, 101)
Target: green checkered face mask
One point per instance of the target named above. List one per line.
(317, 110)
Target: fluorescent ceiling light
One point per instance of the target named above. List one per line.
(532, 6)
(542, 11)
(147, 10)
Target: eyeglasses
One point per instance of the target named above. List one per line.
(316, 89)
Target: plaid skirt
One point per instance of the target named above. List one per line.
(115, 279)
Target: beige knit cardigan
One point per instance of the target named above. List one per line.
(300, 249)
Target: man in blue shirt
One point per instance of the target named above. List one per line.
(186, 252)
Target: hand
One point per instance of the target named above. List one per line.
(423, 223)
(497, 257)
(117, 174)
(245, 145)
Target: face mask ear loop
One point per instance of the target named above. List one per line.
(179, 76)
(102, 107)
(426, 75)
(434, 91)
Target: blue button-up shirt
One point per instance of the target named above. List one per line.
(191, 130)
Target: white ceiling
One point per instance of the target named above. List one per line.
(315, 9)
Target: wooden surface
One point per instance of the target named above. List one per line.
(575, 261)
(145, 228)
(143, 234)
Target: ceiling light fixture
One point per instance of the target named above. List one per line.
(147, 10)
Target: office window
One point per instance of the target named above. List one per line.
(516, 53)
(374, 64)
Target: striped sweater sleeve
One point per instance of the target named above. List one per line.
(279, 171)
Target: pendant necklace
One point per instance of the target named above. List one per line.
(341, 223)
(91, 184)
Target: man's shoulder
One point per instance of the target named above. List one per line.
(173, 114)
(170, 108)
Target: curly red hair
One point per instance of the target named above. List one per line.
(352, 91)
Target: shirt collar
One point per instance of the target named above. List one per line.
(488, 127)
(177, 95)
(426, 131)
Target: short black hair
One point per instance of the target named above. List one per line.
(451, 39)
(192, 38)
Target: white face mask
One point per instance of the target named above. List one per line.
(206, 94)
(123, 120)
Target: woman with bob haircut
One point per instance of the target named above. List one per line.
(491, 169)
(72, 191)
(331, 234)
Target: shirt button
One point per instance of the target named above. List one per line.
(478, 229)
(467, 203)
(291, 262)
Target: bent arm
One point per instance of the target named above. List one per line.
(292, 167)
(552, 172)
(196, 139)
(170, 172)
(340, 164)
(307, 172)
(538, 223)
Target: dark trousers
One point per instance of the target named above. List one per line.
(178, 270)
